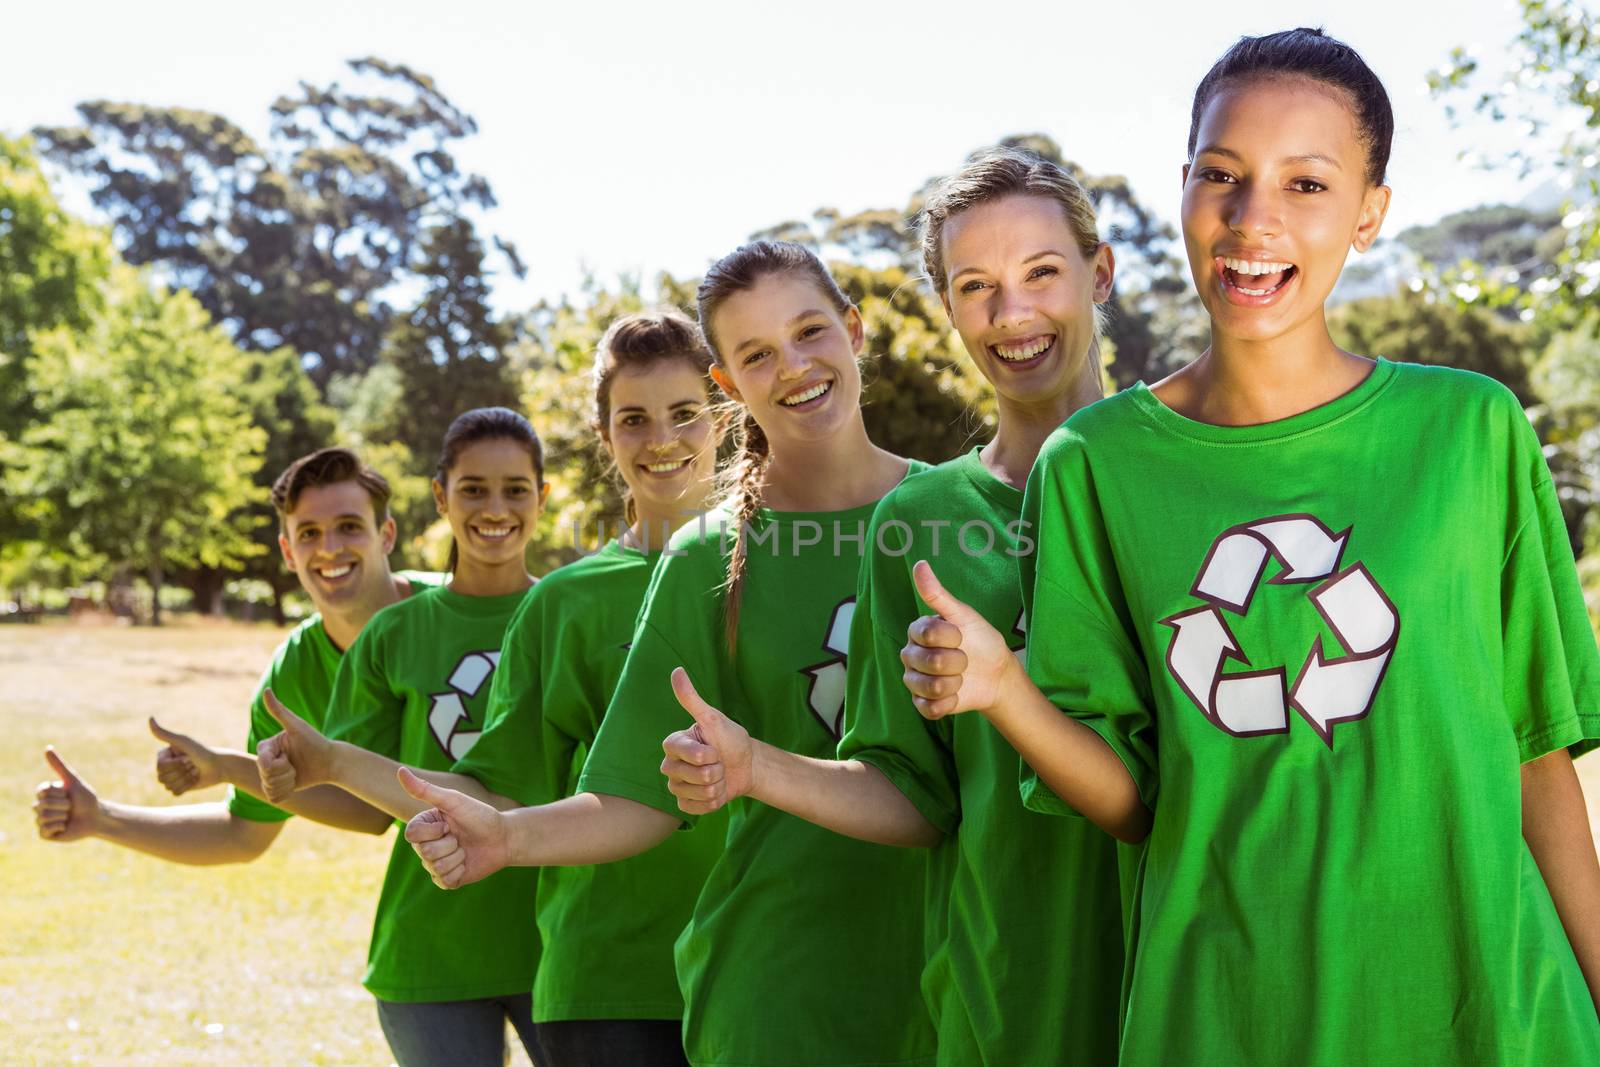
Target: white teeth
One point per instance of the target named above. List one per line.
(493, 531)
(665, 468)
(337, 572)
(1246, 266)
(1028, 351)
(810, 394)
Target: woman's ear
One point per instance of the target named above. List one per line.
(724, 381)
(856, 329)
(1373, 210)
(439, 497)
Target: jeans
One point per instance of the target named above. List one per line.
(612, 1043)
(457, 1033)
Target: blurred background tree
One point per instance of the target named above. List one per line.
(142, 450)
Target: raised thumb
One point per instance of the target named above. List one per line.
(275, 708)
(936, 596)
(425, 790)
(704, 714)
(59, 765)
(177, 741)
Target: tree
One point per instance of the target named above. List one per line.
(143, 451)
(293, 242)
(51, 266)
(1422, 328)
(448, 352)
(1551, 92)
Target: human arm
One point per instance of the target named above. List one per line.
(1555, 824)
(956, 662)
(299, 757)
(716, 760)
(68, 809)
(462, 840)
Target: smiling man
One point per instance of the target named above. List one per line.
(335, 533)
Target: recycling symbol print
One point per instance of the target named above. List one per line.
(1329, 689)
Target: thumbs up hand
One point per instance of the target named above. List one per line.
(185, 763)
(65, 809)
(460, 840)
(955, 661)
(296, 758)
(712, 761)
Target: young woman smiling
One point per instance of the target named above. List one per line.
(448, 971)
(1009, 244)
(1365, 839)
(804, 947)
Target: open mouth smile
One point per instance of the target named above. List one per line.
(1025, 353)
(664, 468)
(1254, 282)
(332, 572)
(809, 397)
(494, 533)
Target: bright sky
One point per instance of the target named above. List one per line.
(642, 137)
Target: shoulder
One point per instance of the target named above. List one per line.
(1454, 386)
(921, 490)
(1116, 413)
(301, 641)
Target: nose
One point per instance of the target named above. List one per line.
(792, 363)
(1255, 210)
(1013, 308)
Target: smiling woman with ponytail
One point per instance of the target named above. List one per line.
(804, 947)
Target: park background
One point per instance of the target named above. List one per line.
(229, 238)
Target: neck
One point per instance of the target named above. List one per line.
(845, 471)
(343, 625)
(1024, 427)
(476, 578)
(1241, 382)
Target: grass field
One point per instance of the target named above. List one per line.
(111, 957)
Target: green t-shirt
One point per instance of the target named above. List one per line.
(607, 931)
(1024, 911)
(805, 946)
(301, 675)
(413, 687)
(1323, 647)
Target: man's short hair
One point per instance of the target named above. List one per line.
(329, 466)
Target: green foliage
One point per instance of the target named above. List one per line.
(1567, 376)
(1421, 328)
(1551, 91)
(447, 351)
(585, 504)
(50, 268)
(143, 450)
(293, 242)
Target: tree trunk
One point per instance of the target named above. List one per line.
(278, 617)
(155, 593)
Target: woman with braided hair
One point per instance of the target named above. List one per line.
(805, 947)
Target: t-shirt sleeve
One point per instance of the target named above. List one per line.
(882, 725)
(262, 726)
(364, 709)
(1550, 663)
(507, 757)
(1082, 650)
(679, 626)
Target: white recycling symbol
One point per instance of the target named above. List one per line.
(826, 695)
(1329, 689)
(447, 712)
